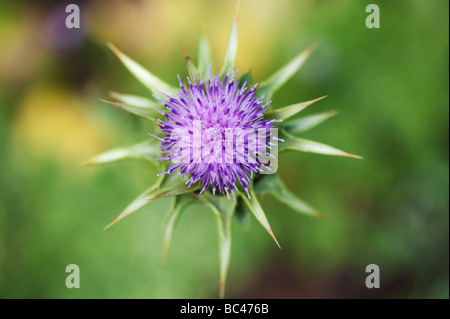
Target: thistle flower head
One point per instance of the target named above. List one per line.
(215, 132)
(218, 133)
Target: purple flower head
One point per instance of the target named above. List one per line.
(215, 132)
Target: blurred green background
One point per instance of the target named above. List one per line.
(390, 86)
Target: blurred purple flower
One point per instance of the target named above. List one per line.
(58, 36)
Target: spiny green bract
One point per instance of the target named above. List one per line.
(181, 195)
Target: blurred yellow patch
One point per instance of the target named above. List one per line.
(156, 30)
(51, 124)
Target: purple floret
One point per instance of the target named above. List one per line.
(215, 131)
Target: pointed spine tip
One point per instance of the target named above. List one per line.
(186, 56)
(166, 254)
(320, 215)
(316, 100)
(354, 156)
(332, 113)
(114, 49)
(274, 238)
(222, 289)
(85, 163)
(236, 10)
(112, 223)
(312, 47)
(111, 102)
